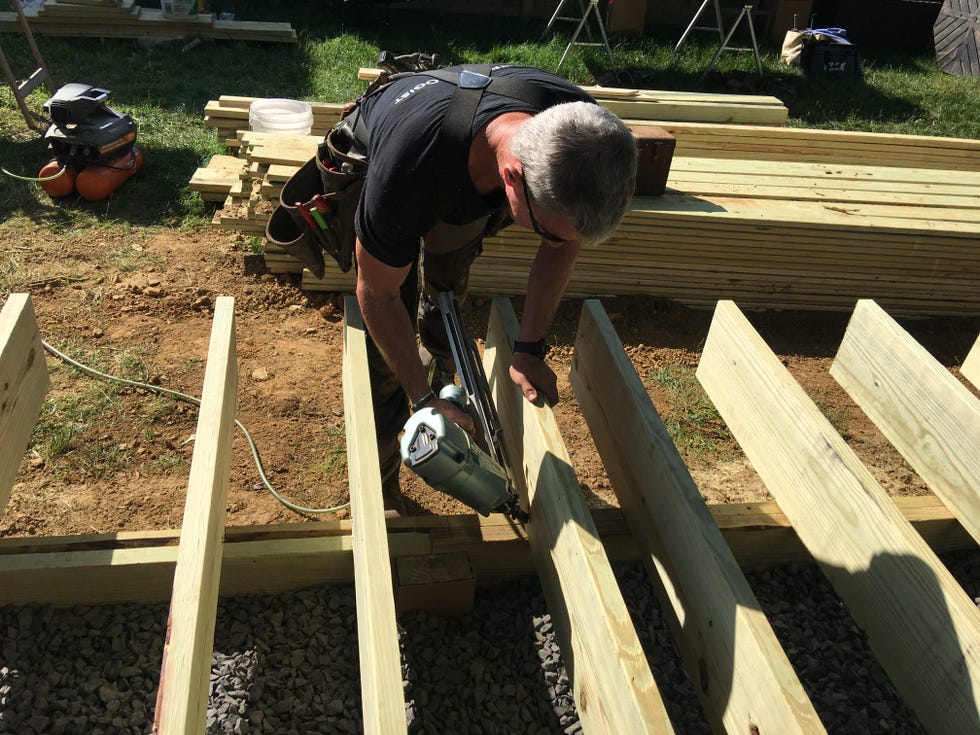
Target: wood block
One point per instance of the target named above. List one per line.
(626, 16)
(656, 151)
(439, 583)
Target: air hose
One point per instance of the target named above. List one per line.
(197, 402)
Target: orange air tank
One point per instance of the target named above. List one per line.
(62, 185)
(96, 183)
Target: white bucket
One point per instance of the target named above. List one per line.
(286, 117)
(178, 8)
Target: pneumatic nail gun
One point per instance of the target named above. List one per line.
(472, 469)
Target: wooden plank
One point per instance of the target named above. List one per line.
(138, 566)
(611, 681)
(931, 417)
(920, 623)
(24, 382)
(741, 673)
(182, 696)
(145, 575)
(382, 696)
(970, 369)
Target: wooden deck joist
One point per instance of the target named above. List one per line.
(182, 696)
(740, 671)
(921, 625)
(931, 418)
(612, 685)
(382, 695)
(24, 382)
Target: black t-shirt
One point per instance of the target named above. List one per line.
(400, 201)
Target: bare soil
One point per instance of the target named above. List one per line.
(100, 293)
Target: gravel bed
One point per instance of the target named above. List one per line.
(287, 664)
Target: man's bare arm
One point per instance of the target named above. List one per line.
(546, 283)
(391, 328)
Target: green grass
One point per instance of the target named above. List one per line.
(165, 90)
(77, 405)
(692, 420)
(334, 462)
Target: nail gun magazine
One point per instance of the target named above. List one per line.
(472, 469)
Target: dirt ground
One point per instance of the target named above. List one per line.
(146, 300)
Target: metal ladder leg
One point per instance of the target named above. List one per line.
(746, 13)
(693, 27)
(593, 8)
(38, 77)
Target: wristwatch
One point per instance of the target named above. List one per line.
(539, 349)
(430, 396)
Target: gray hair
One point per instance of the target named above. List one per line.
(579, 160)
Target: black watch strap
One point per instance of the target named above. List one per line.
(430, 396)
(539, 349)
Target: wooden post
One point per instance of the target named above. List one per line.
(930, 416)
(920, 623)
(613, 688)
(706, 598)
(383, 699)
(182, 696)
(970, 368)
(23, 384)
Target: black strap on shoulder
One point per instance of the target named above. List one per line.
(455, 135)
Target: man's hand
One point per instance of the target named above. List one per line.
(454, 413)
(533, 376)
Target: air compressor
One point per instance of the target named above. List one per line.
(93, 146)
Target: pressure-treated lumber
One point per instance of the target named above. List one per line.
(182, 696)
(931, 418)
(138, 566)
(382, 696)
(650, 104)
(923, 628)
(24, 382)
(970, 369)
(133, 21)
(740, 671)
(612, 685)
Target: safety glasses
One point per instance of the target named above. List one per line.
(534, 223)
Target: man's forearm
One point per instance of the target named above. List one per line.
(391, 329)
(546, 283)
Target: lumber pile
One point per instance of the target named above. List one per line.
(125, 19)
(650, 104)
(751, 213)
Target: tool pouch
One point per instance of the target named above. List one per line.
(339, 185)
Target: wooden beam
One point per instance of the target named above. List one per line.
(970, 369)
(138, 566)
(920, 623)
(382, 695)
(930, 416)
(741, 673)
(24, 382)
(611, 681)
(182, 696)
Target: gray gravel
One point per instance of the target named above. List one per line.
(288, 664)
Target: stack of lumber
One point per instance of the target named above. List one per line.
(791, 232)
(650, 104)
(768, 143)
(125, 19)
(229, 114)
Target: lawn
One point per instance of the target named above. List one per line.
(165, 88)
